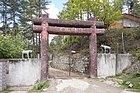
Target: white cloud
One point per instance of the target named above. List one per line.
(53, 13)
(52, 10)
(1, 24)
(125, 9)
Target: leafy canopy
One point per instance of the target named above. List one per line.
(104, 10)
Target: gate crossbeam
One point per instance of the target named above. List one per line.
(67, 30)
(68, 23)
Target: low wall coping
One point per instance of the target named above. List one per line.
(15, 60)
(10, 60)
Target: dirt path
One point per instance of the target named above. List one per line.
(81, 86)
(78, 84)
(55, 73)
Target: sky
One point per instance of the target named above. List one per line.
(55, 7)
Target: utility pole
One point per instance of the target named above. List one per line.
(117, 51)
(123, 43)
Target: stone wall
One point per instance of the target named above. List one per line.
(78, 63)
(107, 64)
(3, 72)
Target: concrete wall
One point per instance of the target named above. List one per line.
(23, 73)
(124, 60)
(3, 71)
(108, 66)
(106, 63)
(78, 62)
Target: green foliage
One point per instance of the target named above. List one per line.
(114, 36)
(16, 17)
(134, 7)
(111, 37)
(5, 91)
(137, 55)
(56, 43)
(61, 43)
(104, 10)
(11, 46)
(133, 79)
(19, 13)
(40, 86)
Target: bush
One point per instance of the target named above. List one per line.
(131, 37)
(40, 86)
(11, 46)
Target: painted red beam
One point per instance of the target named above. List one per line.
(68, 23)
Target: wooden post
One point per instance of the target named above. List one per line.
(93, 51)
(44, 51)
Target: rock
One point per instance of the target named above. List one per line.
(130, 85)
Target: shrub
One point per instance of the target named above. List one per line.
(40, 86)
(11, 46)
(132, 79)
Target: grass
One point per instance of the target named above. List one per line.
(133, 79)
(40, 86)
(5, 91)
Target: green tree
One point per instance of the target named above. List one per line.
(16, 14)
(11, 47)
(16, 17)
(56, 43)
(134, 7)
(4, 16)
(104, 10)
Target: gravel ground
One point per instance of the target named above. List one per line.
(81, 86)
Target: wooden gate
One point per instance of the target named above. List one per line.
(47, 26)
